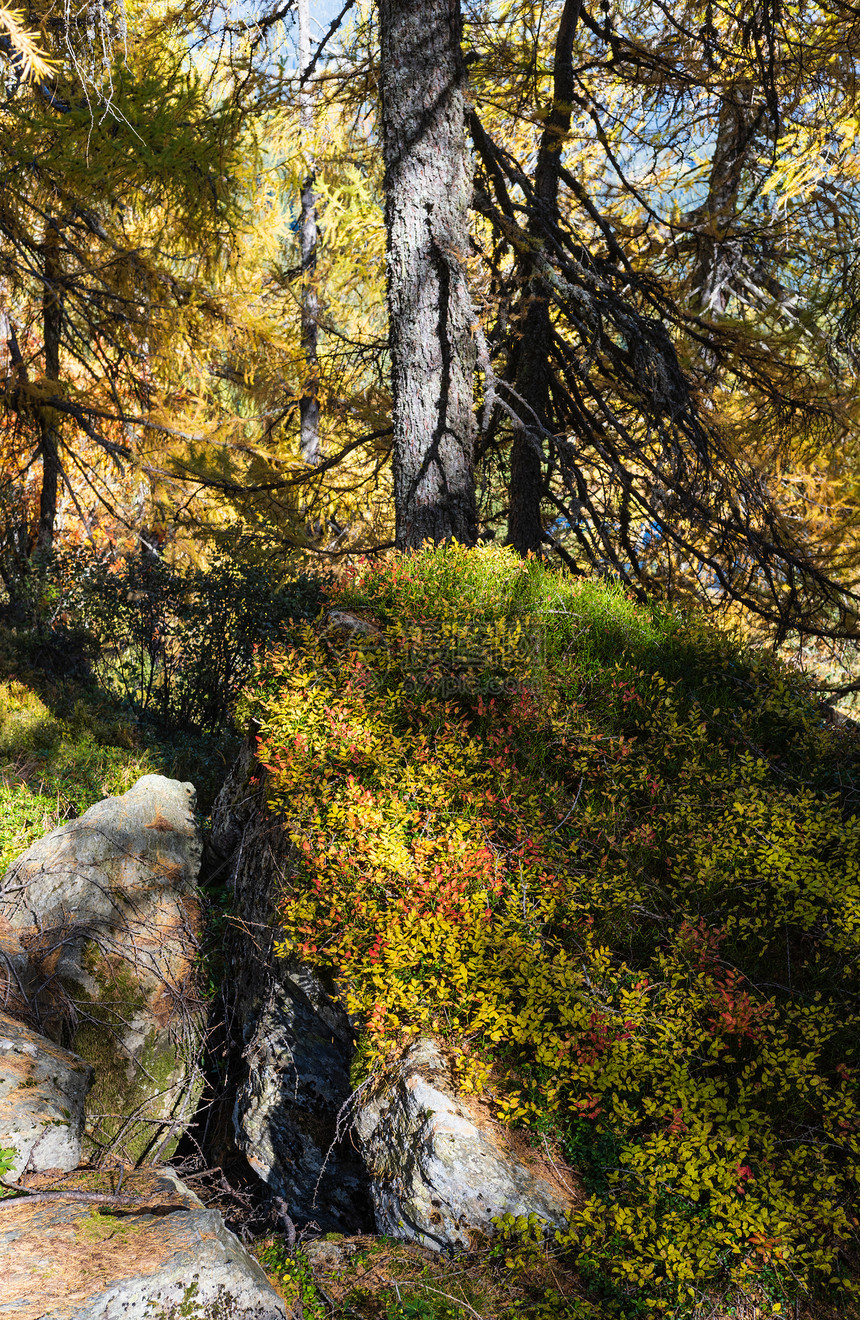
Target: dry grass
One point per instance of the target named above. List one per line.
(363, 1278)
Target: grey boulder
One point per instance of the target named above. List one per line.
(107, 925)
(440, 1168)
(166, 1259)
(42, 1093)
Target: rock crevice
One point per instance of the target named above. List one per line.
(294, 1036)
(100, 933)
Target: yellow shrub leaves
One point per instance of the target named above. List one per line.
(626, 889)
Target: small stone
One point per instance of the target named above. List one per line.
(352, 624)
(327, 1256)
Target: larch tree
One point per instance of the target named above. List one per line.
(651, 351)
(309, 404)
(107, 228)
(617, 435)
(48, 420)
(428, 188)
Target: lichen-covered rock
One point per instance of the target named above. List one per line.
(286, 1114)
(165, 1259)
(440, 1168)
(104, 909)
(352, 625)
(42, 1093)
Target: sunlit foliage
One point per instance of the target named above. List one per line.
(610, 856)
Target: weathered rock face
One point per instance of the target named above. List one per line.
(106, 920)
(165, 1259)
(296, 1040)
(440, 1168)
(42, 1093)
(287, 1109)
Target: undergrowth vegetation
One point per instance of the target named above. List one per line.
(64, 745)
(53, 768)
(176, 643)
(610, 854)
(125, 665)
(379, 1279)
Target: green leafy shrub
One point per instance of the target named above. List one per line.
(8, 1156)
(291, 1271)
(177, 642)
(620, 872)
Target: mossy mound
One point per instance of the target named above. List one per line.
(610, 853)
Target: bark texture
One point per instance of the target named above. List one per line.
(309, 405)
(427, 196)
(531, 372)
(49, 441)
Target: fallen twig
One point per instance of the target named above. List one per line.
(69, 1194)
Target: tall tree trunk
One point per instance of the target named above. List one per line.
(531, 381)
(427, 195)
(49, 441)
(309, 405)
(525, 492)
(15, 531)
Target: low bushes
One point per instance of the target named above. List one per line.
(172, 642)
(611, 854)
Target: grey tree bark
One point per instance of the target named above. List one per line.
(525, 526)
(49, 439)
(427, 195)
(309, 404)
